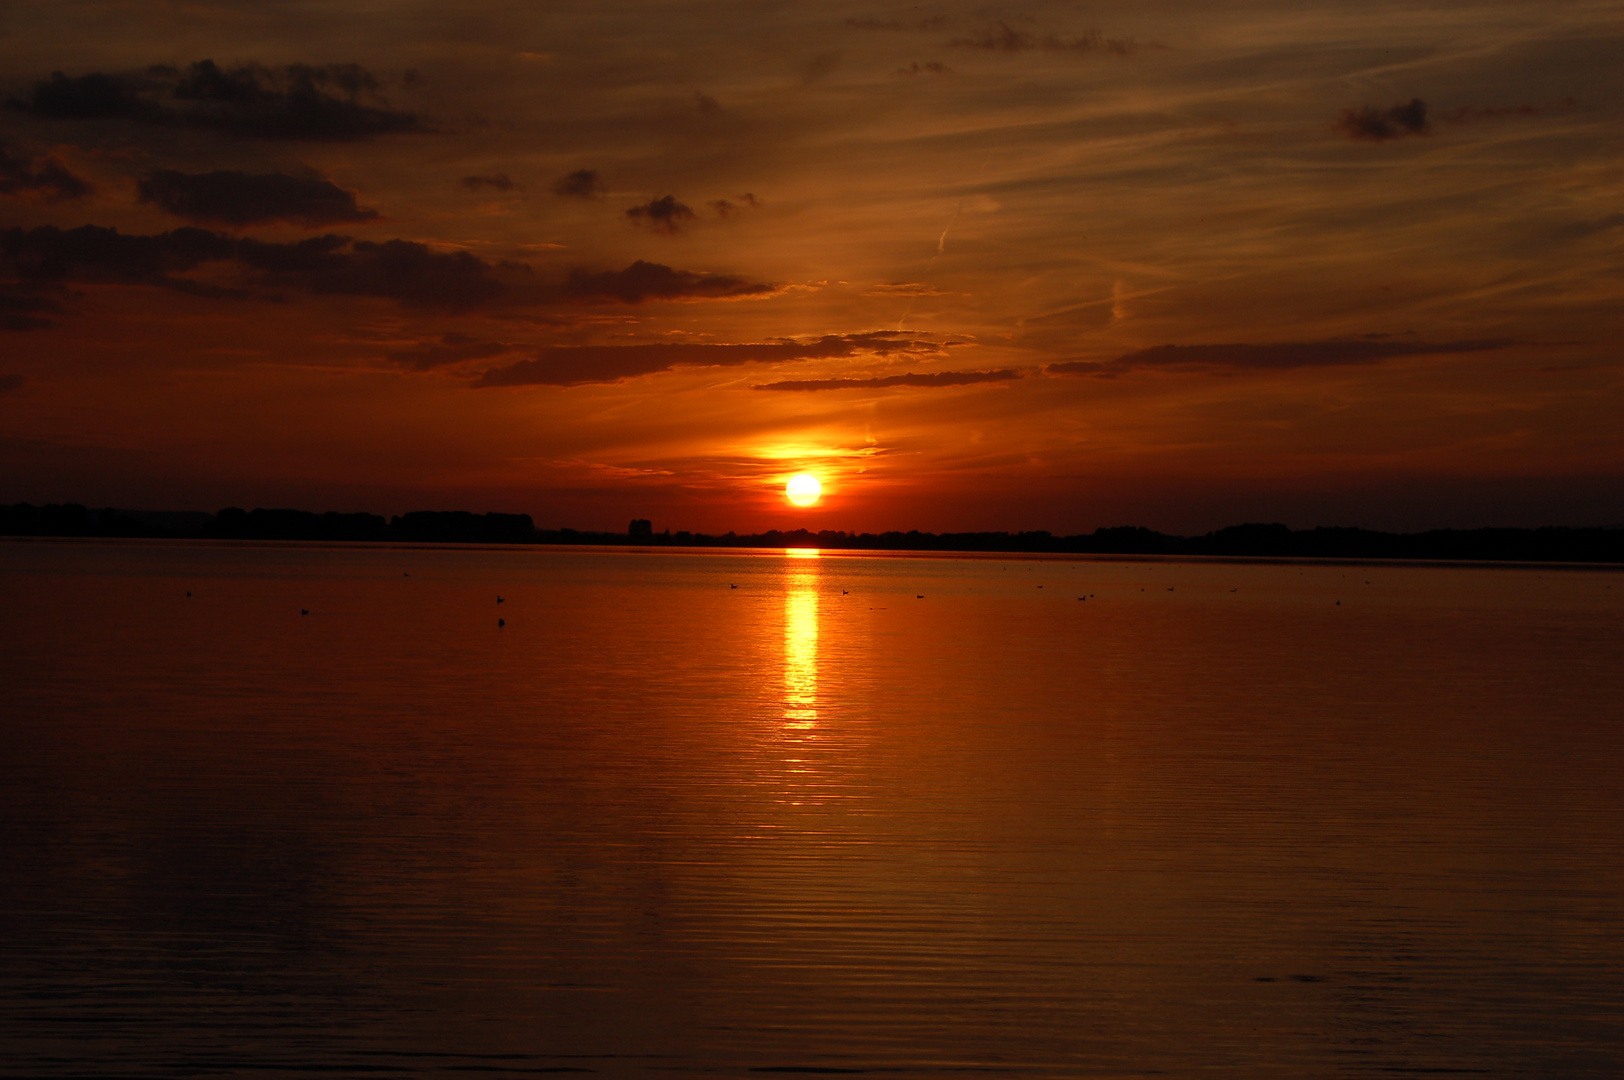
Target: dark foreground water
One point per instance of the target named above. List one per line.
(915, 816)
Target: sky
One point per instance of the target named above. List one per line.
(1048, 266)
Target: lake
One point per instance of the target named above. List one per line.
(750, 813)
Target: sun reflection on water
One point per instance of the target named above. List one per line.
(801, 648)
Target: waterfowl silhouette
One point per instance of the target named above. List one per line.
(501, 622)
(499, 600)
(845, 592)
(304, 611)
(188, 592)
(733, 586)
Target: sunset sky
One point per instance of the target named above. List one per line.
(1045, 266)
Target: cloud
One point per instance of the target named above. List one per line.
(727, 207)
(935, 379)
(499, 182)
(47, 179)
(450, 349)
(21, 309)
(235, 198)
(96, 96)
(1274, 357)
(930, 23)
(819, 68)
(580, 184)
(413, 274)
(321, 103)
(1378, 125)
(408, 272)
(10, 384)
(574, 365)
(652, 281)
(1467, 114)
(1583, 230)
(663, 215)
(1002, 37)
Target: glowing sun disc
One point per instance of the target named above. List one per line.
(803, 489)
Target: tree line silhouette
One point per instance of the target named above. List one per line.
(1549, 544)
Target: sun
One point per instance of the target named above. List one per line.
(803, 489)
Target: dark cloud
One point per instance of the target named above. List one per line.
(652, 281)
(499, 182)
(93, 97)
(413, 274)
(663, 215)
(11, 383)
(940, 378)
(574, 365)
(929, 67)
(322, 103)
(1378, 125)
(1276, 357)
(235, 198)
(1002, 37)
(450, 349)
(47, 179)
(24, 309)
(410, 273)
(580, 184)
(727, 207)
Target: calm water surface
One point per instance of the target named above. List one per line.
(744, 814)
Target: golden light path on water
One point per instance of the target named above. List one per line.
(801, 581)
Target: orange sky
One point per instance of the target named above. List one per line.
(1180, 265)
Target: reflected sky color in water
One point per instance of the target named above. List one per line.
(724, 812)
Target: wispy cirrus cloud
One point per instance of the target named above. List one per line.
(575, 365)
(916, 381)
(1269, 357)
(1001, 37)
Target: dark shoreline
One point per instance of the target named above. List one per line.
(1252, 541)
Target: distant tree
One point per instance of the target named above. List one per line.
(641, 529)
